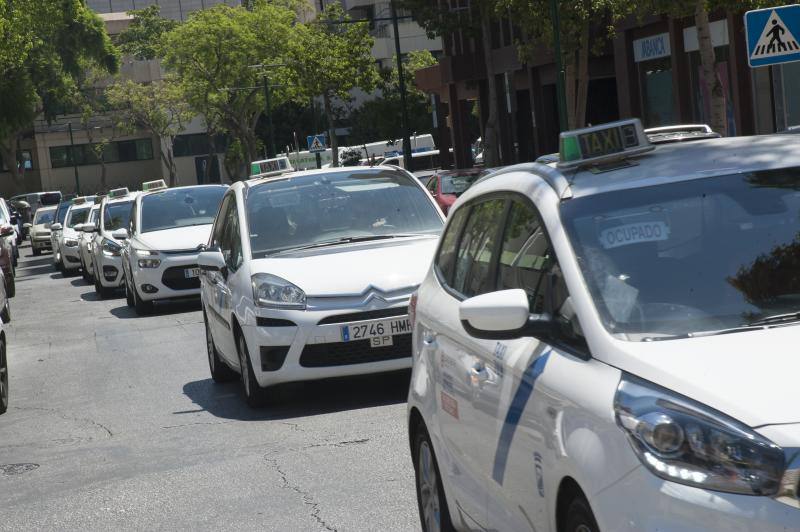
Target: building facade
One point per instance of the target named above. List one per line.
(650, 70)
(173, 9)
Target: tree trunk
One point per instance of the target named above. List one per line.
(582, 75)
(8, 152)
(570, 76)
(331, 130)
(103, 182)
(708, 62)
(212, 150)
(491, 155)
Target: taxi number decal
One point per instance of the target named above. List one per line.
(625, 235)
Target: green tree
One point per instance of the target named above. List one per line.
(439, 20)
(143, 38)
(328, 57)
(213, 55)
(44, 47)
(92, 104)
(158, 107)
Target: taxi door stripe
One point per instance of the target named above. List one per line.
(515, 409)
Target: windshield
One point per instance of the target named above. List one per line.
(117, 216)
(338, 206)
(457, 184)
(43, 217)
(682, 258)
(180, 207)
(61, 211)
(93, 215)
(77, 216)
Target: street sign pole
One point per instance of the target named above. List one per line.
(74, 162)
(560, 84)
(402, 83)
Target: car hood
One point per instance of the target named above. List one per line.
(751, 376)
(176, 239)
(351, 270)
(41, 228)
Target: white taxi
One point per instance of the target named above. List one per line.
(77, 214)
(608, 343)
(40, 229)
(86, 232)
(115, 214)
(308, 275)
(167, 229)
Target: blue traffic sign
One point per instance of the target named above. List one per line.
(772, 35)
(316, 143)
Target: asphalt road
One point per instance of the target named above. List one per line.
(115, 423)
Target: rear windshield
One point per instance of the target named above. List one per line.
(117, 216)
(44, 217)
(50, 198)
(458, 184)
(323, 208)
(180, 207)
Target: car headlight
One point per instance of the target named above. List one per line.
(683, 441)
(145, 252)
(70, 242)
(149, 263)
(111, 248)
(273, 292)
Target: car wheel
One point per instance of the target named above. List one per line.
(36, 252)
(128, 296)
(5, 314)
(143, 308)
(85, 272)
(220, 371)
(432, 503)
(580, 517)
(3, 377)
(254, 395)
(11, 285)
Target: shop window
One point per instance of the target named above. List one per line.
(655, 81)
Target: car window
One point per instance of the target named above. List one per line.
(77, 216)
(231, 242)
(524, 255)
(323, 209)
(219, 223)
(180, 207)
(477, 249)
(43, 217)
(458, 184)
(446, 259)
(432, 184)
(117, 215)
(93, 215)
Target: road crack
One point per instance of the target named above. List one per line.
(67, 417)
(308, 500)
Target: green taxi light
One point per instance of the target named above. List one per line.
(604, 143)
(149, 186)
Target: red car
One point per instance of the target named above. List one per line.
(447, 185)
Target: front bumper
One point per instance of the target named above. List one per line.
(643, 502)
(307, 345)
(109, 269)
(70, 257)
(168, 279)
(41, 243)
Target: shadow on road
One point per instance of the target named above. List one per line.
(79, 282)
(91, 296)
(25, 262)
(292, 400)
(161, 309)
(31, 272)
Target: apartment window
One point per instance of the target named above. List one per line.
(114, 152)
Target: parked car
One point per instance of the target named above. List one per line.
(77, 214)
(56, 231)
(447, 185)
(36, 200)
(40, 230)
(115, 214)
(86, 233)
(9, 219)
(308, 275)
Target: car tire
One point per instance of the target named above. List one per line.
(579, 517)
(220, 371)
(434, 515)
(11, 285)
(254, 395)
(85, 272)
(3, 377)
(5, 314)
(143, 308)
(36, 252)
(128, 296)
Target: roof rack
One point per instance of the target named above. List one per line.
(680, 133)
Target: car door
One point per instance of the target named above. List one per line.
(516, 494)
(464, 267)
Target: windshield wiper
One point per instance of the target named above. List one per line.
(338, 241)
(777, 319)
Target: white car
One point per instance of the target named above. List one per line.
(40, 229)
(115, 214)
(56, 231)
(77, 214)
(167, 229)
(86, 233)
(609, 343)
(308, 275)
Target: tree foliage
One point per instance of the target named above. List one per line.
(143, 39)
(214, 54)
(44, 47)
(158, 107)
(328, 57)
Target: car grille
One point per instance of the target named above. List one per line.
(363, 316)
(357, 352)
(175, 279)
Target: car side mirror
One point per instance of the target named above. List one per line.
(89, 228)
(6, 230)
(211, 261)
(120, 234)
(503, 315)
(79, 227)
(55, 227)
(26, 225)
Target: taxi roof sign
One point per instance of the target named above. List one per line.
(604, 143)
(118, 193)
(80, 200)
(150, 186)
(270, 167)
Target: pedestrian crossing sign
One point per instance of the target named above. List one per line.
(772, 35)
(316, 143)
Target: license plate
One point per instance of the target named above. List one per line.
(191, 273)
(375, 329)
